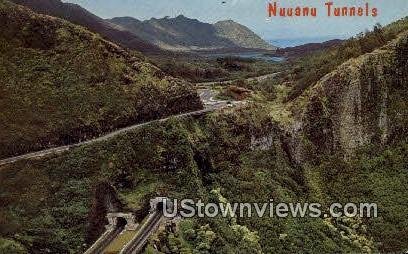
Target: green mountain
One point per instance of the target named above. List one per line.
(61, 83)
(362, 102)
(241, 35)
(79, 16)
(310, 68)
(183, 34)
(354, 120)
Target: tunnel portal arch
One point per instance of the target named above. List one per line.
(157, 204)
(126, 220)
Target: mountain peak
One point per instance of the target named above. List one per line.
(184, 33)
(181, 16)
(127, 18)
(228, 21)
(241, 35)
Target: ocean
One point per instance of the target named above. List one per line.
(284, 43)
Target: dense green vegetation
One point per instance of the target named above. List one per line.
(373, 176)
(211, 159)
(60, 83)
(307, 70)
(377, 176)
(206, 69)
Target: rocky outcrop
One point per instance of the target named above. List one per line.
(238, 93)
(104, 201)
(360, 103)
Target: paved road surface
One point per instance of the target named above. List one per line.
(207, 96)
(137, 244)
(259, 78)
(62, 149)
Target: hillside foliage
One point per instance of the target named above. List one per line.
(212, 159)
(307, 70)
(61, 84)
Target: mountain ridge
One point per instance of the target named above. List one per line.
(241, 35)
(186, 34)
(80, 16)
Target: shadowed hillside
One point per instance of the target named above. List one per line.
(78, 15)
(61, 84)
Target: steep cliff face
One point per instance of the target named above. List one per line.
(105, 200)
(360, 103)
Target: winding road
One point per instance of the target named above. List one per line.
(61, 149)
(207, 96)
(227, 82)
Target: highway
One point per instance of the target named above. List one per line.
(137, 244)
(228, 82)
(207, 97)
(99, 246)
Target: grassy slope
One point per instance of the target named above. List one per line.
(60, 83)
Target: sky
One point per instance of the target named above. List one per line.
(253, 14)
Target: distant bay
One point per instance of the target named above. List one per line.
(284, 43)
(249, 55)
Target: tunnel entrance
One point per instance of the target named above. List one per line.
(160, 206)
(161, 203)
(122, 220)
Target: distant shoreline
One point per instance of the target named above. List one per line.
(294, 42)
